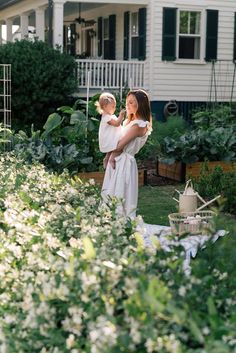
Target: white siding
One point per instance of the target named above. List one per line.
(190, 82)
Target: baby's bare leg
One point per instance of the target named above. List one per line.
(112, 160)
(106, 159)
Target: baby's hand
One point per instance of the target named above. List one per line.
(122, 113)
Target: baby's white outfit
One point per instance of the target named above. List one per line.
(108, 135)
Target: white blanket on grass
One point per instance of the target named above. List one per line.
(191, 243)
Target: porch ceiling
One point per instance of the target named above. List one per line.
(12, 8)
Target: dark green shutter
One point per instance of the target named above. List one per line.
(211, 35)
(234, 54)
(126, 36)
(64, 39)
(112, 37)
(169, 34)
(142, 15)
(100, 35)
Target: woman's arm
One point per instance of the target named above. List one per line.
(132, 133)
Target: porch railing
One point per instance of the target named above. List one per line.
(110, 74)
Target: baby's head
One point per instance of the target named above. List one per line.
(106, 104)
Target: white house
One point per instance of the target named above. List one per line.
(182, 50)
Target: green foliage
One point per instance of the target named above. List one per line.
(76, 278)
(173, 127)
(211, 183)
(212, 137)
(42, 79)
(69, 140)
(220, 115)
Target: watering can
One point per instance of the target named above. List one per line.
(188, 200)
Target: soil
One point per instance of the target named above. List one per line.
(152, 178)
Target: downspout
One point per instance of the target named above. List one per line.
(50, 22)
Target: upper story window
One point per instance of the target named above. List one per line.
(189, 35)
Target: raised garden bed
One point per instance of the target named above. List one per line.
(174, 171)
(194, 170)
(99, 176)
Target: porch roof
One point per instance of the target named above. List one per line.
(6, 3)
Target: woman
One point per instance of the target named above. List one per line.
(121, 180)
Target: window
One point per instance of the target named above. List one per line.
(106, 38)
(134, 35)
(186, 32)
(69, 38)
(189, 35)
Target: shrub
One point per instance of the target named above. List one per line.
(69, 141)
(211, 137)
(174, 127)
(210, 184)
(42, 79)
(75, 277)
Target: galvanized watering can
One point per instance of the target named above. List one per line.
(188, 200)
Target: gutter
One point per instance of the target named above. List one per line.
(8, 3)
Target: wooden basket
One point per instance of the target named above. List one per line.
(199, 222)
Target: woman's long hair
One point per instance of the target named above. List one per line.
(144, 107)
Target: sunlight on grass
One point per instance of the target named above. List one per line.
(155, 203)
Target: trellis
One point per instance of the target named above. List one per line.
(222, 82)
(5, 96)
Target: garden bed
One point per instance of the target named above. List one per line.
(194, 170)
(99, 176)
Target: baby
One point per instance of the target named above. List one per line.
(110, 126)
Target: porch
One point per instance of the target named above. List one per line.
(116, 75)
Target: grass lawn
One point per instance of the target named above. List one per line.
(155, 203)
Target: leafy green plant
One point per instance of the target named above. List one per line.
(42, 79)
(211, 183)
(173, 127)
(69, 140)
(217, 116)
(211, 137)
(214, 144)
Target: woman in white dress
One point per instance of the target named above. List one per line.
(121, 177)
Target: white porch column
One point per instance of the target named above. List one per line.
(40, 23)
(9, 24)
(58, 14)
(24, 26)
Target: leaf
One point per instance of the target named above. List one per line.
(54, 120)
(86, 160)
(196, 331)
(65, 109)
(77, 117)
(89, 251)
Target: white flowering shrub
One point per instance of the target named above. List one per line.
(74, 277)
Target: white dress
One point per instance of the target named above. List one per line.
(122, 181)
(108, 135)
